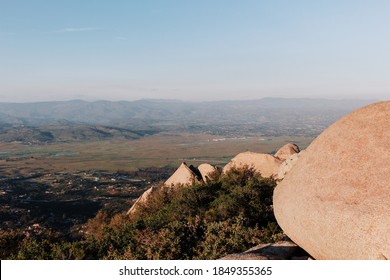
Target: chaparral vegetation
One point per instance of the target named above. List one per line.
(228, 214)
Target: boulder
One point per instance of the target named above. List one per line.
(184, 175)
(205, 170)
(286, 151)
(281, 250)
(142, 200)
(267, 165)
(335, 203)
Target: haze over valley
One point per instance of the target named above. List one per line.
(49, 122)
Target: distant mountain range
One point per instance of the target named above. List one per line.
(113, 113)
(273, 116)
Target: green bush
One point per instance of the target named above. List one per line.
(9, 244)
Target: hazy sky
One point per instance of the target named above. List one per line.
(193, 50)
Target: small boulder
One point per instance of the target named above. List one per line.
(205, 170)
(281, 250)
(286, 151)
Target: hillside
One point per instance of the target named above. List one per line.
(65, 133)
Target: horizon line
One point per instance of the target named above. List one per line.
(189, 101)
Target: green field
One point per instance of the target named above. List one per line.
(129, 155)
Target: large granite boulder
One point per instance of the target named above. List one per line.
(266, 165)
(335, 203)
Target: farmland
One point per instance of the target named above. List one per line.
(130, 155)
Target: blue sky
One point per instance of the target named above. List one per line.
(193, 50)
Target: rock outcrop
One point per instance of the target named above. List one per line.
(282, 250)
(335, 203)
(184, 175)
(267, 165)
(287, 151)
(142, 200)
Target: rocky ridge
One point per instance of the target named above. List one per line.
(266, 164)
(184, 176)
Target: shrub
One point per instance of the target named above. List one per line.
(9, 244)
(229, 236)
